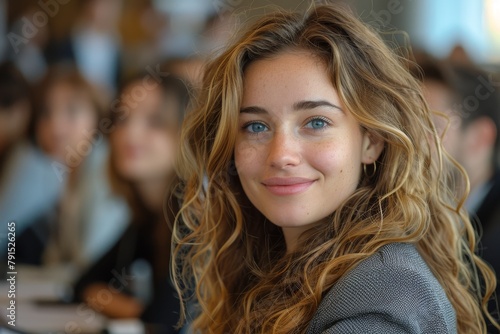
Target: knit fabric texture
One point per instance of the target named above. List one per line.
(392, 291)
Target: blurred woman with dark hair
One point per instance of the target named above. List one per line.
(144, 140)
(88, 218)
(28, 185)
(15, 108)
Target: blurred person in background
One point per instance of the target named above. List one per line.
(470, 100)
(218, 31)
(143, 147)
(189, 69)
(184, 21)
(28, 184)
(88, 218)
(28, 40)
(140, 25)
(3, 28)
(15, 108)
(94, 43)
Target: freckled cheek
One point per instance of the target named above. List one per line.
(247, 159)
(334, 159)
(324, 157)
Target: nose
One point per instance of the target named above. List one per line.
(133, 128)
(284, 150)
(59, 127)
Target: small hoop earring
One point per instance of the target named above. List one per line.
(373, 172)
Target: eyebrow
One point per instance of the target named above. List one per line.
(301, 105)
(304, 105)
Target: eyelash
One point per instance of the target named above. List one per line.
(328, 123)
(247, 124)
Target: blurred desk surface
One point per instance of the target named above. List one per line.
(34, 318)
(39, 309)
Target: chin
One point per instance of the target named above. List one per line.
(129, 173)
(291, 220)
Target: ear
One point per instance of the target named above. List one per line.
(371, 149)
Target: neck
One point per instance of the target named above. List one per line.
(152, 192)
(292, 235)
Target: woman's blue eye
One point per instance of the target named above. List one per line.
(256, 127)
(316, 123)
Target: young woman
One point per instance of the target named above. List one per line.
(315, 196)
(144, 139)
(87, 217)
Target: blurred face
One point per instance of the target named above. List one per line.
(145, 142)
(299, 152)
(104, 14)
(13, 123)
(67, 122)
(439, 99)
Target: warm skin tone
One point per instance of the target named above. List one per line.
(102, 15)
(471, 145)
(144, 151)
(440, 100)
(478, 145)
(299, 152)
(13, 123)
(121, 306)
(143, 146)
(67, 120)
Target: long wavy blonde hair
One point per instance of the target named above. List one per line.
(233, 262)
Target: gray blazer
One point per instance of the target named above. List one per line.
(392, 291)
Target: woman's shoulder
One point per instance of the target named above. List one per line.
(392, 291)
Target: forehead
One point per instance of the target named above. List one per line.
(286, 78)
(66, 89)
(137, 96)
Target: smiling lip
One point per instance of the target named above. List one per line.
(287, 186)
